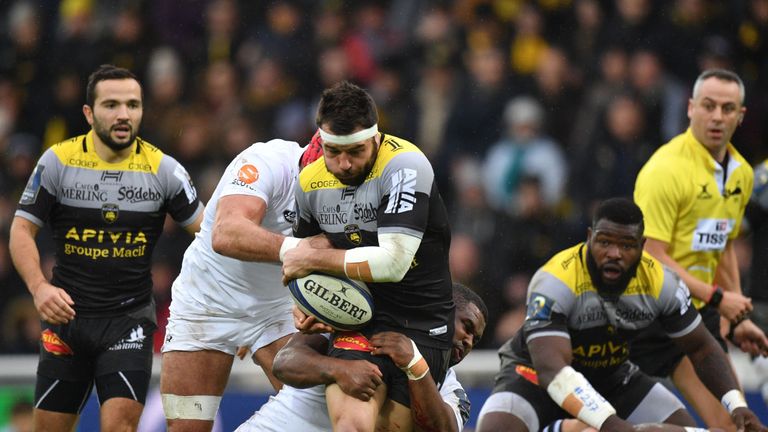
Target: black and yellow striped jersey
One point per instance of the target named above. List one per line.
(398, 196)
(563, 301)
(106, 219)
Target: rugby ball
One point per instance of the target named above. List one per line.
(342, 303)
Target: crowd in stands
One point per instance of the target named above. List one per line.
(531, 111)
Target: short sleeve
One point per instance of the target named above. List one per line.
(183, 202)
(39, 195)
(659, 198)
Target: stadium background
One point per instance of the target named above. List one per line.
(530, 111)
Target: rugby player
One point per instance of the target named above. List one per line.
(373, 195)
(303, 366)
(585, 306)
(693, 192)
(105, 195)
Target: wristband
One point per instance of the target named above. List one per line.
(417, 368)
(575, 394)
(732, 400)
(288, 244)
(716, 297)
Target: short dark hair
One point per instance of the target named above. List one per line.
(345, 107)
(105, 72)
(723, 75)
(622, 211)
(463, 295)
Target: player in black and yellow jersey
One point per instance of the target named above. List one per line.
(105, 195)
(693, 192)
(585, 306)
(374, 197)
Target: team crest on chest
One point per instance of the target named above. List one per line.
(110, 212)
(353, 234)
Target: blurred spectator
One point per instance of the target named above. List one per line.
(65, 110)
(474, 122)
(21, 417)
(757, 224)
(609, 164)
(389, 88)
(21, 326)
(268, 89)
(125, 44)
(559, 92)
(583, 36)
(524, 152)
(664, 98)
(434, 96)
(20, 157)
(633, 25)
(612, 80)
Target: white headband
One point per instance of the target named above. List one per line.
(351, 138)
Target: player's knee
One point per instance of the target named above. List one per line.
(198, 407)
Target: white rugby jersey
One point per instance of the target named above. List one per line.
(294, 409)
(227, 285)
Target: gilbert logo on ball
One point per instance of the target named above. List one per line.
(342, 303)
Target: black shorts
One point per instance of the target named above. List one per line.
(658, 355)
(86, 348)
(353, 348)
(625, 389)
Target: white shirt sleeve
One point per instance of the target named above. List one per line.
(454, 395)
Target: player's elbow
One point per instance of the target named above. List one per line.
(396, 272)
(221, 242)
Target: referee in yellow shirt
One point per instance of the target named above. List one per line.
(693, 192)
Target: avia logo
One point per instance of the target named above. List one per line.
(402, 192)
(53, 343)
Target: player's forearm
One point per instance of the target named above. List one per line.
(302, 367)
(25, 255)
(710, 362)
(727, 273)
(699, 289)
(429, 410)
(388, 262)
(244, 240)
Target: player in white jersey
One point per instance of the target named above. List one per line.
(304, 409)
(229, 292)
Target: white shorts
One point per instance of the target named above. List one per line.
(190, 328)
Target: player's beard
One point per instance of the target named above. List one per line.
(360, 178)
(106, 137)
(612, 290)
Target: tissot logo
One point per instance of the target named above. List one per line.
(137, 194)
(112, 176)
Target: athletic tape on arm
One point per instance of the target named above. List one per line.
(388, 262)
(201, 407)
(577, 396)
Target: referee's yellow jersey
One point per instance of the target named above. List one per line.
(691, 202)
